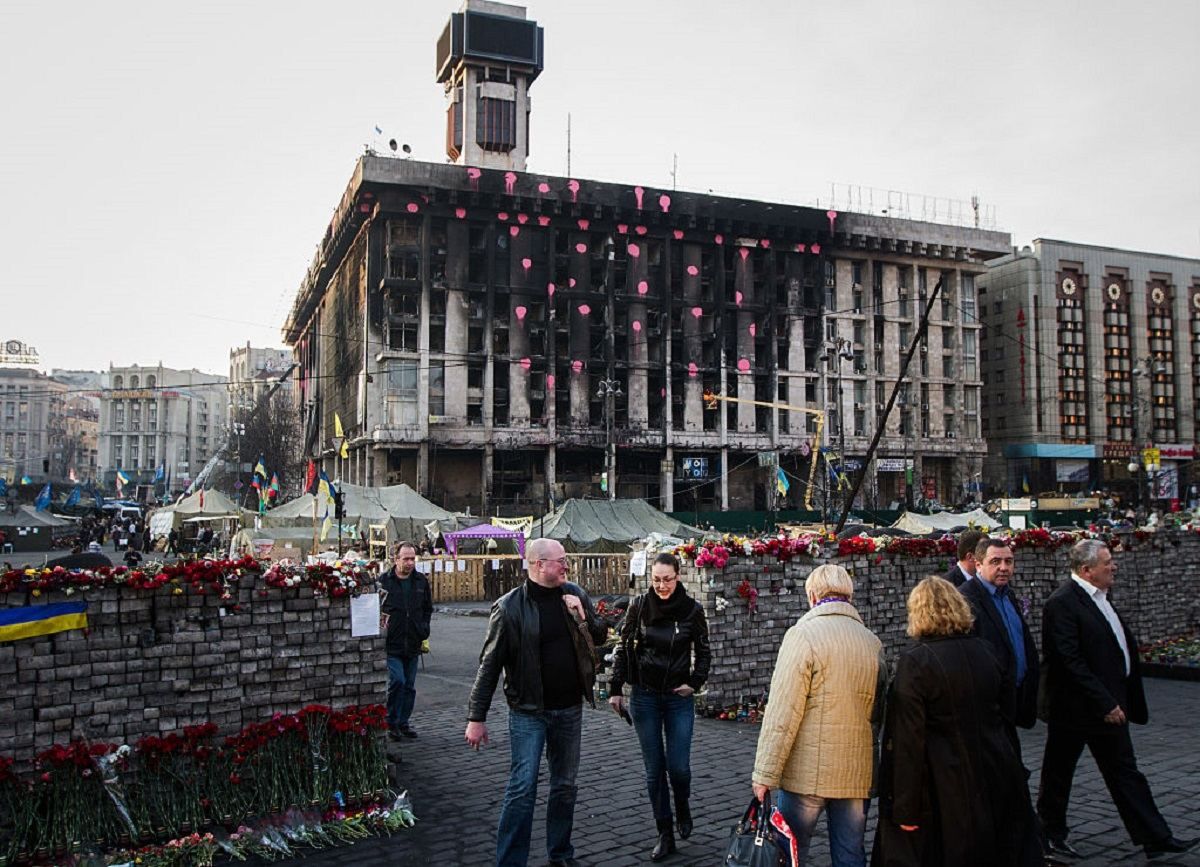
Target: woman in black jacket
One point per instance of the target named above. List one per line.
(952, 790)
(663, 630)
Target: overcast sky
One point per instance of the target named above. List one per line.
(168, 168)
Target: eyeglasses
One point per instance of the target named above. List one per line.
(670, 580)
(561, 561)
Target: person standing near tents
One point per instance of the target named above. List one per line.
(406, 605)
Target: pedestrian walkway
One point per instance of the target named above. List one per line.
(456, 792)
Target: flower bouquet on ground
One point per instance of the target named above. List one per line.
(1174, 658)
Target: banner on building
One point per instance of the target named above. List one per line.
(1071, 470)
(1166, 484)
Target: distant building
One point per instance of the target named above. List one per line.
(1092, 354)
(81, 448)
(154, 416)
(32, 421)
(253, 371)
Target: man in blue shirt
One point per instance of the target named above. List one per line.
(1000, 621)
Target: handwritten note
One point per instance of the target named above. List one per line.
(364, 615)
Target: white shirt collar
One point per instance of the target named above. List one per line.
(1090, 589)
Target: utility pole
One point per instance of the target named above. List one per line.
(882, 424)
(838, 350)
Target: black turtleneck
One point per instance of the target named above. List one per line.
(560, 674)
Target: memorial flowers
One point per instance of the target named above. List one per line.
(171, 788)
(342, 578)
(201, 576)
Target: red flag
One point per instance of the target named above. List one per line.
(201, 496)
(310, 479)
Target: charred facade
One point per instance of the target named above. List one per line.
(502, 341)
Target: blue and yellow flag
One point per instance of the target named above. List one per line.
(260, 469)
(35, 620)
(781, 481)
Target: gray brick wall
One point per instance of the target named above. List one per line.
(152, 662)
(1154, 593)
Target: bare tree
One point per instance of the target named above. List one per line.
(270, 430)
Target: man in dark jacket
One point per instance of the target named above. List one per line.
(1000, 622)
(1091, 691)
(541, 634)
(406, 604)
(964, 569)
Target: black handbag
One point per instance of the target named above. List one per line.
(761, 838)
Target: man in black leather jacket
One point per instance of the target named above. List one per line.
(542, 635)
(406, 607)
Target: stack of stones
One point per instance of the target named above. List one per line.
(152, 662)
(1152, 593)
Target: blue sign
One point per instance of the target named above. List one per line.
(695, 468)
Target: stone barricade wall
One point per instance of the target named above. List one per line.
(152, 662)
(1156, 593)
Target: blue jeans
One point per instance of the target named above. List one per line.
(656, 715)
(847, 825)
(557, 732)
(402, 689)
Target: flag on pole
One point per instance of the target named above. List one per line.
(122, 481)
(202, 496)
(273, 488)
(325, 488)
(310, 478)
(26, 480)
(260, 469)
(781, 481)
(340, 434)
(160, 473)
(1025, 483)
(74, 497)
(43, 499)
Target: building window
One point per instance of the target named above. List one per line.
(970, 356)
(830, 285)
(437, 388)
(496, 124)
(119, 415)
(971, 413)
(134, 382)
(118, 381)
(116, 453)
(966, 297)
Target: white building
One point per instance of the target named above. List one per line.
(152, 416)
(253, 371)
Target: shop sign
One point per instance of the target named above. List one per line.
(890, 465)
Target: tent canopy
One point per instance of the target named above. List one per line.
(28, 516)
(944, 522)
(403, 509)
(597, 526)
(483, 531)
(215, 504)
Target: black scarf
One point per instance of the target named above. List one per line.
(677, 606)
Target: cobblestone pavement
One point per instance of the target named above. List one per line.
(456, 792)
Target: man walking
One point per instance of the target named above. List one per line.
(1091, 690)
(964, 570)
(406, 604)
(1000, 622)
(541, 634)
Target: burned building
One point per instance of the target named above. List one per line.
(503, 340)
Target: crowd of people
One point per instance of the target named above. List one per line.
(932, 738)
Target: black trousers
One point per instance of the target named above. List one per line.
(1112, 749)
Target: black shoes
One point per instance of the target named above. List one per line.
(666, 840)
(683, 819)
(407, 731)
(394, 733)
(1169, 846)
(1060, 846)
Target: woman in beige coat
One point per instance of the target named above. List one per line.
(817, 744)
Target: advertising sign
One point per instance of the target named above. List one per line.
(694, 468)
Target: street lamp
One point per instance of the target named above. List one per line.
(839, 349)
(607, 390)
(1147, 367)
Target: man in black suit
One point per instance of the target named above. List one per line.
(1091, 690)
(1000, 622)
(964, 569)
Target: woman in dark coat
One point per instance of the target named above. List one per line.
(952, 790)
(663, 630)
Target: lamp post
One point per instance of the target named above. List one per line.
(607, 390)
(1147, 367)
(836, 351)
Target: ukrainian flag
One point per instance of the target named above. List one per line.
(35, 620)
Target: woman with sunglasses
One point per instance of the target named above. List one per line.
(663, 655)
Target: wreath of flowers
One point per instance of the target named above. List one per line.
(341, 578)
(201, 576)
